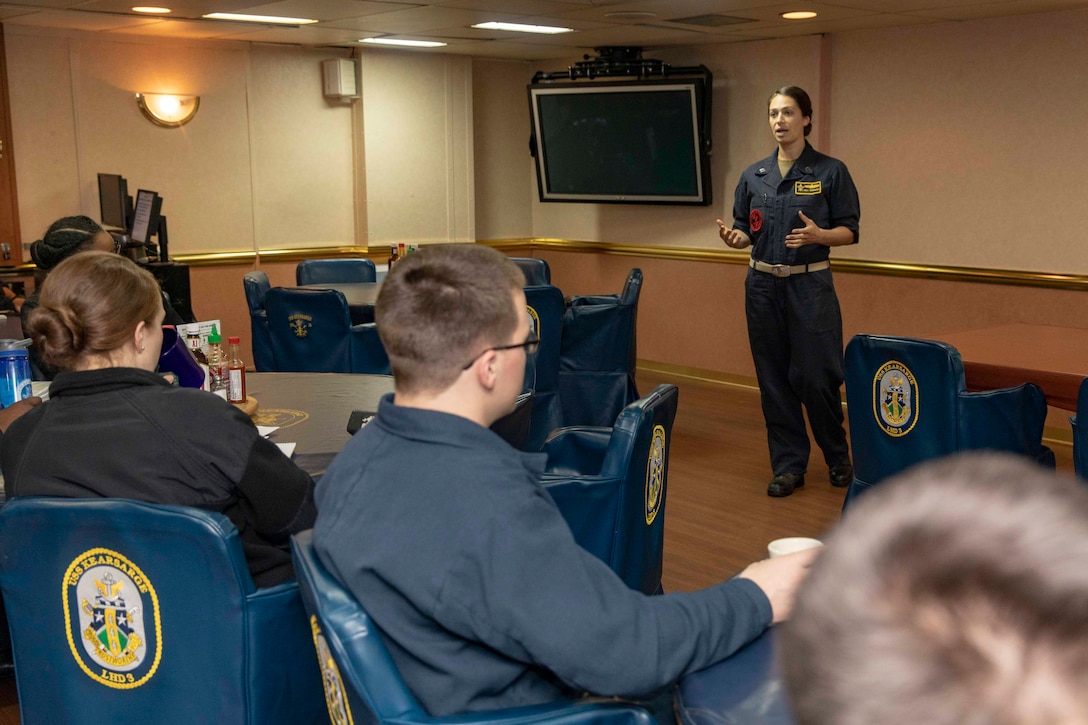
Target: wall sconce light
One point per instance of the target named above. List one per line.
(168, 109)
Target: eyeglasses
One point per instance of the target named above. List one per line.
(531, 344)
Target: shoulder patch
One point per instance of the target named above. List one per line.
(655, 474)
(895, 399)
(113, 611)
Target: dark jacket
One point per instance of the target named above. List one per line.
(445, 535)
(127, 433)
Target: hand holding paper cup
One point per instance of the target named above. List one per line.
(791, 545)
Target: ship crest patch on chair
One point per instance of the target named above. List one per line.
(895, 399)
(300, 324)
(112, 609)
(336, 699)
(655, 474)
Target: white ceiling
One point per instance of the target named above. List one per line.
(651, 24)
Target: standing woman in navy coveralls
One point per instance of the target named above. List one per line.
(791, 208)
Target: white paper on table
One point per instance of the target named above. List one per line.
(266, 430)
(287, 448)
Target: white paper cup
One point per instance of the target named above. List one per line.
(791, 545)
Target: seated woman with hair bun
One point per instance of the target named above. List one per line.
(114, 428)
(65, 237)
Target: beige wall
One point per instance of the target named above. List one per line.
(954, 133)
(419, 147)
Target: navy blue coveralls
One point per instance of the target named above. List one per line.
(794, 323)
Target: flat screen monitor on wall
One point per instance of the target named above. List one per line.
(114, 202)
(626, 142)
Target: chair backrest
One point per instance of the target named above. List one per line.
(256, 287)
(908, 403)
(902, 394)
(546, 307)
(514, 426)
(363, 685)
(1080, 432)
(618, 512)
(361, 680)
(598, 355)
(536, 271)
(310, 330)
(320, 271)
(148, 613)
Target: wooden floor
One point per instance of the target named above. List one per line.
(718, 515)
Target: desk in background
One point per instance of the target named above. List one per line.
(745, 689)
(361, 297)
(1054, 358)
(312, 410)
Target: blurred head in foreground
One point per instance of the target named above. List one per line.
(955, 593)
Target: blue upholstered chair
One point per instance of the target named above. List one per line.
(598, 355)
(256, 287)
(536, 271)
(321, 271)
(546, 307)
(908, 403)
(610, 484)
(133, 612)
(1080, 432)
(311, 331)
(362, 684)
(514, 426)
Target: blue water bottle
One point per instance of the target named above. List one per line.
(14, 371)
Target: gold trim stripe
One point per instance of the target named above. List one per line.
(380, 252)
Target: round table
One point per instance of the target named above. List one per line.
(312, 410)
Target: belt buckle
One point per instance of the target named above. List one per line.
(780, 270)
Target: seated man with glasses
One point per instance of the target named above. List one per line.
(445, 535)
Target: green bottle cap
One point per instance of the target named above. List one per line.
(213, 337)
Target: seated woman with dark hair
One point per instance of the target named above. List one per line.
(65, 237)
(114, 428)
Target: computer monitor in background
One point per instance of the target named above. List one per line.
(148, 222)
(145, 221)
(114, 202)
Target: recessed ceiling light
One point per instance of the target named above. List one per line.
(521, 28)
(407, 43)
(799, 15)
(273, 19)
(150, 9)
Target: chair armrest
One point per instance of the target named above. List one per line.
(1010, 419)
(564, 712)
(576, 450)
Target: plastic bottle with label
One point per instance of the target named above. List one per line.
(193, 340)
(217, 365)
(236, 392)
(14, 372)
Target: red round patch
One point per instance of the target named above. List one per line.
(755, 220)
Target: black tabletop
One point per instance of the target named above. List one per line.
(312, 410)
